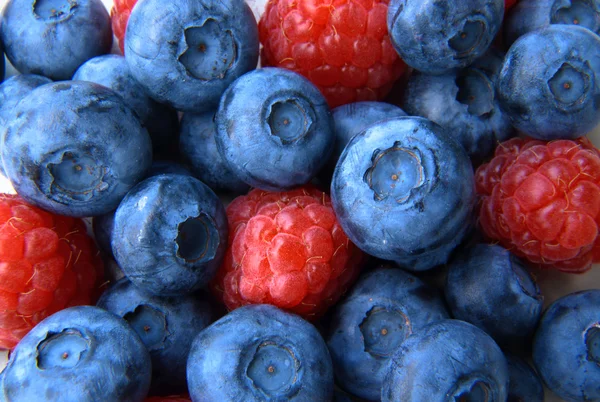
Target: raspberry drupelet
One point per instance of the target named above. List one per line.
(541, 200)
(119, 16)
(47, 263)
(286, 249)
(341, 46)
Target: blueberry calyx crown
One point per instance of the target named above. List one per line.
(211, 51)
(383, 330)
(576, 12)
(472, 390)
(290, 119)
(65, 349)
(476, 91)
(274, 369)
(150, 324)
(53, 10)
(197, 239)
(571, 84)
(469, 38)
(395, 172)
(592, 343)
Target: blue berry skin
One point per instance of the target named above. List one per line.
(524, 383)
(54, 37)
(80, 354)
(446, 361)
(260, 353)
(549, 84)
(434, 36)
(170, 234)
(384, 307)
(186, 53)
(166, 325)
(198, 147)
(464, 102)
(491, 288)
(566, 346)
(74, 148)
(274, 129)
(16, 88)
(403, 190)
(531, 15)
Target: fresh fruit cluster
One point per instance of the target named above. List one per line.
(257, 226)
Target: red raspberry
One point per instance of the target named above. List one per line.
(286, 249)
(341, 46)
(174, 398)
(508, 4)
(47, 263)
(541, 200)
(119, 16)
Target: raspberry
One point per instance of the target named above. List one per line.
(341, 46)
(508, 4)
(119, 16)
(541, 200)
(286, 249)
(47, 263)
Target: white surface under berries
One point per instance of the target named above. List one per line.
(553, 284)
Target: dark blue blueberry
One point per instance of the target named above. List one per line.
(382, 310)
(260, 353)
(524, 384)
(435, 36)
(549, 85)
(491, 288)
(531, 15)
(566, 346)
(186, 53)
(274, 129)
(54, 37)
(170, 234)
(403, 190)
(81, 354)
(197, 145)
(464, 102)
(166, 325)
(74, 148)
(449, 360)
(113, 72)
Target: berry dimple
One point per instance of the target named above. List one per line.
(288, 250)
(47, 263)
(542, 201)
(341, 46)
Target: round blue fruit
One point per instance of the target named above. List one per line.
(16, 88)
(75, 148)
(449, 360)
(369, 325)
(166, 325)
(260, 353)
(434, 36)
(566, 346)
(403, 190)
(491, 288)
(274, 129)
(549, 84)
(170, 234)
(54, 37)
(80, 354)
(524, 383)
(186, 53)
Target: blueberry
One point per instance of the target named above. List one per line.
(384, 307)
(531, 15)
(198, 147)
(54, 37)
(403, 190)
(74, 148)
(166, 325)
(79, 354)
(186, 53)
(435, 36)
(464, 102)
(524, 383)
(170, 234)
(260, 353)
(352, 118)
(113, 72)
(491, 288)
(549, 84)
(274, 129)
(449, 360)
(566, 346)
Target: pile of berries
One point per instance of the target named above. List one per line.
(362, 217)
